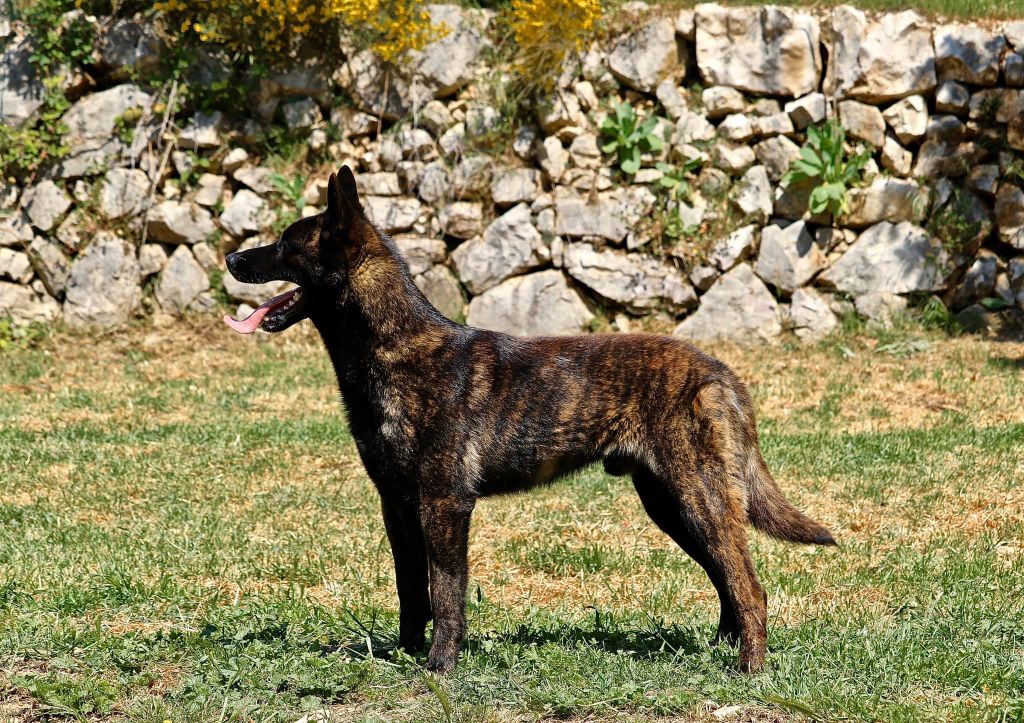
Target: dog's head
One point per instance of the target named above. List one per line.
(315, 253)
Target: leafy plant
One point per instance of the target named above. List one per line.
(674, 179)
(24, 149)
(825, 162)
(628, 138)
(290, 190)
(59, 42)
(953, 224)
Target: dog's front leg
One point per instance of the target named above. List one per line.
(446, 530)
(405, 533)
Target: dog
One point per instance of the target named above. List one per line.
(443, 415)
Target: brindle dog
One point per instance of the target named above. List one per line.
(443, 415)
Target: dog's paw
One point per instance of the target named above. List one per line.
(440, 663)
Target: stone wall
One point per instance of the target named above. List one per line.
(546, 235)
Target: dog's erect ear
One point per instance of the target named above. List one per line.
(343, 205)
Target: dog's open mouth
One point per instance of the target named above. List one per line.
(275, 314)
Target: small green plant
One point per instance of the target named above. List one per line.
(825, 162)
(674, 180)
(628, 138)
(24, 149)
(953, 225)
(60, 43)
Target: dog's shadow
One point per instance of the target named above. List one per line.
(650, 642)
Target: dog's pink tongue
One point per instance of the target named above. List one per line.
(250, 323)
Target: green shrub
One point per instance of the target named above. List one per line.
(629, 139)
(825, 162)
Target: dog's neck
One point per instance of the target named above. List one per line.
(381, 320)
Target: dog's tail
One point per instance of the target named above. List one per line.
(772, 513)
(727, 408)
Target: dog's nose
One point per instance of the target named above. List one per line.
(234, 261)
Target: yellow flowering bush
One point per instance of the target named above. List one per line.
(257, 27)
(546, 30)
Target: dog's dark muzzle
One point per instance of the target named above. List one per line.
(256, 266)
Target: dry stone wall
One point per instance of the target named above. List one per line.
(545, 235)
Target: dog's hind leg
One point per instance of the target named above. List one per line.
(708, 524)
(405, 533)
(662, 506)
(446, 530)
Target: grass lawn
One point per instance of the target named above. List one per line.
(186, 534)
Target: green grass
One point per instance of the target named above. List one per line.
(186, 534)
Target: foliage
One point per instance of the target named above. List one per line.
(825, 162)
(268, 28)
(628, 138)
(25, 149)
(952, 225)
(674, 179)
(545, 31)
(61, 41)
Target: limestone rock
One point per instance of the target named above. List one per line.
(636, 281)
(301, 115)
(648, 55)
(95, 116)
(720, 101)
(559, 111)
(738, 307)
(735, 247)
(978, 282)
(181, 282)
(896, 158)
(753, 195)
(442, 290)
(737, 128)
(509, 246)
(881, 307)
(124, 192)
(734, 159)
(242, 215)
(23, 306)
(209, 190)
(892, 258)
(515, 185)
(789, 257)
(807, 111)
(776, 154)
(203, 131)
(374, 87)
(692, 127)
(448, 63)
(152, 259)
(540, 303)
(951, 97)
(968, 53)
(603, 217)
(811, 316)
(21, 90)
(1010, 215)
(103, 286)
(420, 252)
(46, 203)
(908, 118)
(392, 214)
(15, 266)
(462, 219)
(176, 222)
(769, 50)
(130, 44)
(863, 121)
(434, 185)
(378, 184)
(50, 264)
(880, 60)
(886, 199)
